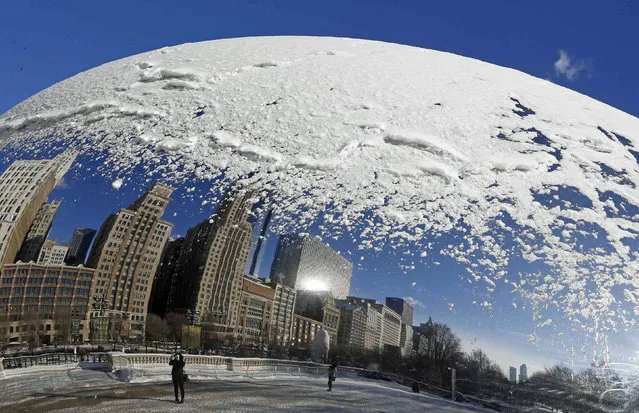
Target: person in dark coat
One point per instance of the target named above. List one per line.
(177, 375)
(332, 370)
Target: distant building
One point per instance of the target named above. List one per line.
(210, 271)
(352, 325)
(79, 246)
(523, 373)
(126, 254)
(38, 233)
(255, 312)
(320, 306)
(513, 375)
(307, 263)
(420, 343)
(406, 339)
(401, 307)
(45, 302)
(283, 310)
(258, 252)
(374, 321)
(303, 331)
(405, 311)
(52, 254)
(24, 188)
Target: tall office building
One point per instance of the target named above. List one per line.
(306, 263)
(523, 373)
(258, 253)
(52, 254)
(38, 233)
(24, 188)
(210, 271)
(513, 375)
(79, 246)
(401, 307)
(319, 306)
(164, 277)
(405, 311)
(283, 310)
(126, 255)
(352, 325)
(255, 312)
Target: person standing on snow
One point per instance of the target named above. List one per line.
(331, 376)
(177, 375)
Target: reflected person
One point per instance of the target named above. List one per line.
(177, 375)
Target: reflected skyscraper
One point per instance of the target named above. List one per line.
(79, 245)
(24, 188)
(38, 233)
(127, 253)
(307, 263)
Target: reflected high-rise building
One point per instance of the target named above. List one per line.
(306, 263)
(523, 373)
(126, 254)
(38, 233)
(79, 246)
(513, 375)
(209, 275)
(24, 188)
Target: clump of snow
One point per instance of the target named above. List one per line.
(117, 184)
(431, 148)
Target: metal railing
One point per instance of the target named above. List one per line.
(52, 359)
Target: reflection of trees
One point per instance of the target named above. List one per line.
(63, 325)
(31, 327)
(4, 332)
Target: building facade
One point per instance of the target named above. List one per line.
(319, 306)
(24, 188)
(283, 310)
(52, 254)
(38, 233)
(126, 255)
(401, 307)
(255, 312)
(306, 263)
(303, 331)
(43, 303)
(513, 375)
(209, 275)
(79, 246)
(352, 325)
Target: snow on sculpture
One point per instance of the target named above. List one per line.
(387, 143)
(320, 346)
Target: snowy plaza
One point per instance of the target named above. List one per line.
(76, 388)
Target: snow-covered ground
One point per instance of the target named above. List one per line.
(77, 390)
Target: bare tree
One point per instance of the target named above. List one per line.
(30, 327)
(63, 325)
(175, 321)
(115, 326)
(156, 328)
(4, 332)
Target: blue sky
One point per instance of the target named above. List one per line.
(587, 46)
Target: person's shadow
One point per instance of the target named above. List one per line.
(97, 396)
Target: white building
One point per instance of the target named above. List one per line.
(24, 188)
(52, 254)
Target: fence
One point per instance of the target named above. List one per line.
(52, 359)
